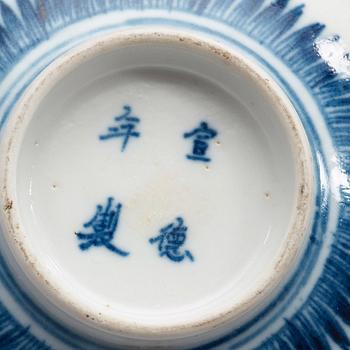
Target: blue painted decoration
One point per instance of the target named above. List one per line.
(14, 336)
(201, 135)
(126, 124)
(104, 225)
(170, 239)
(321, 321)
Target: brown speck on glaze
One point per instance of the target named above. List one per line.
(8, 205)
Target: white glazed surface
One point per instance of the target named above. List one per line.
(311, 312)
(64, 171)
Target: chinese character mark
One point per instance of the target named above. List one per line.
(103, 225)
(170, 239)
(201, 136)
(126, 125)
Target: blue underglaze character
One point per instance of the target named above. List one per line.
(201, 136)
(170, 239)
(125, 128)
(103, 225)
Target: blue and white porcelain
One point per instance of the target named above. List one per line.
(174, 174)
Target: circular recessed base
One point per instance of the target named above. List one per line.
(159, 186)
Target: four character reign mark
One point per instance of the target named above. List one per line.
(101, 229)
